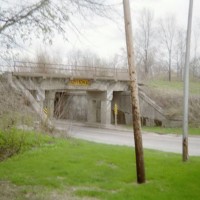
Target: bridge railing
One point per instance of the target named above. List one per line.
(4, 68)
(70, 71)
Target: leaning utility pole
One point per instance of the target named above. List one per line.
(134, 95)
(186, 84)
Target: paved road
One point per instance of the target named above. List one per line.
(167, 143)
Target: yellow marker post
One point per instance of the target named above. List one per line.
(45, 112)
(115, 112)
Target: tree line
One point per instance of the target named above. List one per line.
(161, 46)
(159, 43)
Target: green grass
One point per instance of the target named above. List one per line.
(13, 141)
(102, 171)
(161, 84)
(165, 130)
(176, 86)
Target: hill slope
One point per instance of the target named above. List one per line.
(14, 108)
(169, 96)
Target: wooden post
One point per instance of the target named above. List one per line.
(134, 95)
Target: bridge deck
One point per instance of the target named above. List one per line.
(29, 69)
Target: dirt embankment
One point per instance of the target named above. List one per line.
(13, 106)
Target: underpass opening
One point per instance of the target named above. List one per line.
(70, 105)
(83, 106)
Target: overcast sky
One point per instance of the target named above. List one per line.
(106, 37)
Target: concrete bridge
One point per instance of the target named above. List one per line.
(87, 92)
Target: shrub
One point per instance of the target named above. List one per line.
(14, 141)
(10, 143)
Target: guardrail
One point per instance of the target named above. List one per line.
(60, 70)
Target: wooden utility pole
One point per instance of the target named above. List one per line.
(134, 95)
(186, 84)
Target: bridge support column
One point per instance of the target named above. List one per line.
(106, 112)
(106, 108)
(91, 115)
(50, 98)
(94, 98)
(40, 97)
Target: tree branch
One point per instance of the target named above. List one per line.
(20, 16)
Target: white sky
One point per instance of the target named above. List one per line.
(106, 38)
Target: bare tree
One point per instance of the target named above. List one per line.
(119, 60)
(145, 40)
(195, 60)
(85, 58)
(180, 52)
(20, 20)
(168, 30)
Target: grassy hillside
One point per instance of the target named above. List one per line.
(169, 95)
(174, 86)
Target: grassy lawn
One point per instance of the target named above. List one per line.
(83, 169)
